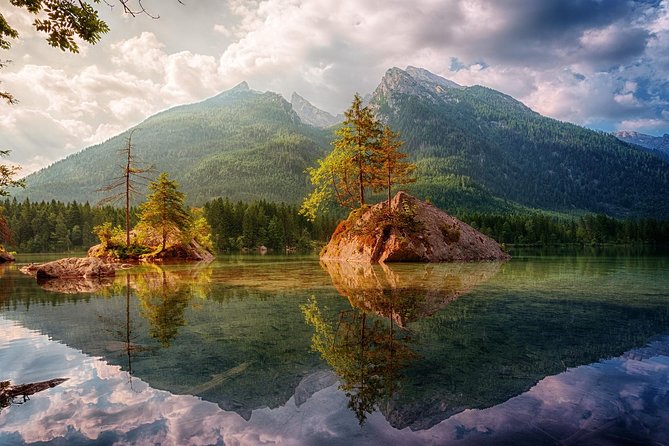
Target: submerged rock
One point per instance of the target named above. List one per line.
(415, 231)
(71, 268)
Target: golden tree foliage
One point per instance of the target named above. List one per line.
(364, 156)
(395, 169)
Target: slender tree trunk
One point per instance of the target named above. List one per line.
(389, 184)
(362, 184)
(127, 196)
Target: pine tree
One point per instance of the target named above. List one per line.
(395, 169)
(164, 209)
(351, 167)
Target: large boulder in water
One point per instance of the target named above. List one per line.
(414, 231)
(72, 268)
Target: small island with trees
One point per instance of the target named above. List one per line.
(366, 156)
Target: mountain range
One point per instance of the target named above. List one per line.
(656, 145)
(476, 149)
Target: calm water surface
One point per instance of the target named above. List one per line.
(568, 349)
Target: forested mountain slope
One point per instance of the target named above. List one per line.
(476, 150)
(240, 144)
(475, 135)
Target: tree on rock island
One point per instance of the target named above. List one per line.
(395, 169)
(364, 156)
(164, 210)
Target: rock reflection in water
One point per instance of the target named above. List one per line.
(76, 286)
(367, 353)
(406, 293)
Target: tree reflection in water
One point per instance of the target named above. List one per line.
(368, 346)
(367, 354)
(164, 297)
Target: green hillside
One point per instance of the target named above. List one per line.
(476, 150)
(480, 137)
(240, 144)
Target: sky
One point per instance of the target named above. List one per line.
(603, 64)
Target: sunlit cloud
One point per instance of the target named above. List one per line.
(574, 61)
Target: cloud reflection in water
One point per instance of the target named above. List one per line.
(624, 399)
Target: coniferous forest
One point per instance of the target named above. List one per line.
(55, 226)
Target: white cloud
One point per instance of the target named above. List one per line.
(555, 56)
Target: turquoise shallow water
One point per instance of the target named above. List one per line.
(284, 350)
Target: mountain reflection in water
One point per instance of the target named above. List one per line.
(460, 354)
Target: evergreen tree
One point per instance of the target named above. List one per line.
(395, 169)
(351, 167)
(164, 209)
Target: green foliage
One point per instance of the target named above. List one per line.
(237, 226)
(507, 155)
(61, 20)
(364, 156)
(7, 175)
(109, 235)
(164, 210)
(54, 226)
(240, 144)
(543, 229)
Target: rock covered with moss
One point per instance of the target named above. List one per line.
(415, 231)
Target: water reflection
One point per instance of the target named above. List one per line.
(367, 353)
(444, 350)
(21, 393)
(75, 286)
(406, 293)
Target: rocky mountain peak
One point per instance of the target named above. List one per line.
(413, 81)
(657, 144)
(425, 77)
(312, 115)
(242, 86)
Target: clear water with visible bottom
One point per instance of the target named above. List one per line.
(543, 349)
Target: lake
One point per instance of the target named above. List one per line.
(570, 348)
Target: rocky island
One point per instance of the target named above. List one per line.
(415, 231)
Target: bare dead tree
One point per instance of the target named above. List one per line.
(134, 11)
(125, 185)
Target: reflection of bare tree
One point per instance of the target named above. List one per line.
(405, 293)
(123, 328)
(367, 354)
(19, 394)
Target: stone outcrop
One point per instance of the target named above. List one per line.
(71, 268)
(6, 257)
(415, 231)
(192, 251)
